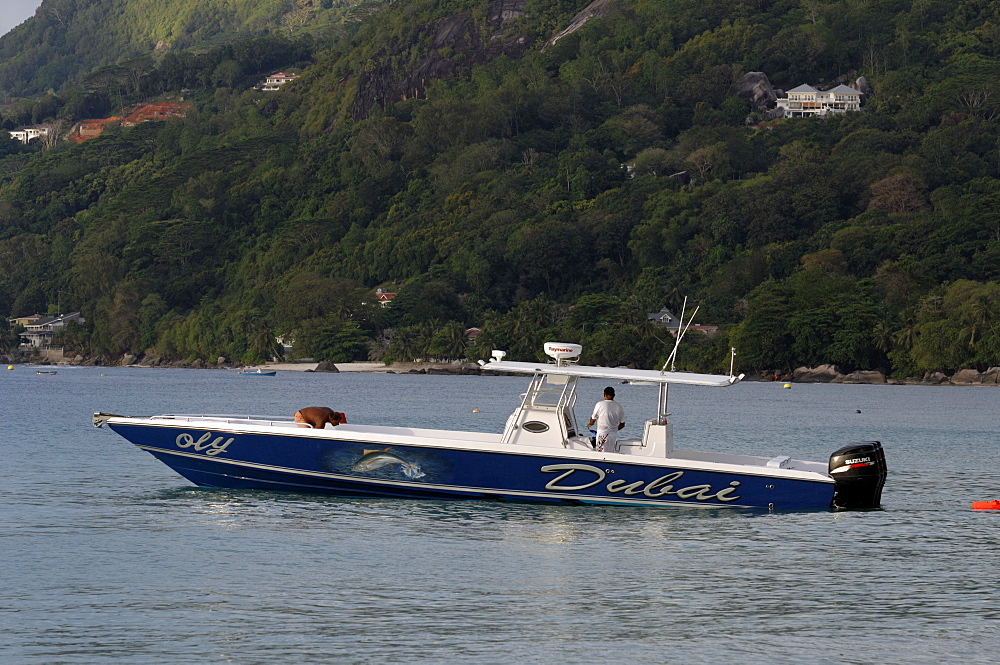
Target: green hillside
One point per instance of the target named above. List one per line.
(441, 153)
(68, 38)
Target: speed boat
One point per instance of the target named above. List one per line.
(257, 372)
(542, 455)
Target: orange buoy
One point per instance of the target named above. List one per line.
(986, 505)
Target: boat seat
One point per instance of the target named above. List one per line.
(779, 462)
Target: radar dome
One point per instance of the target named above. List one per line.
(562, 352)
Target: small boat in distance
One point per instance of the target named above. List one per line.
(257, 372)
(46, 371)
(542, 454)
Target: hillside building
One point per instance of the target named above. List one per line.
(42, 331)
(383, 298)
(28, 134)
(23, 320)
(276, 80)
(667, 319)
(806, 100)
(90, 129)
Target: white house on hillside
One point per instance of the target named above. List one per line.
(276, 80)
(28, 134)
(806, 100)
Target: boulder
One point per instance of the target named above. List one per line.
(821, 374)
(992, 375)
(934, 378)
(755, 87)
(967, 376)
(861, 85)
(128, 359)
(326, 366)
(864, 376)
(221, 360)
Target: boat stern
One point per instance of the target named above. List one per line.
(859, 472)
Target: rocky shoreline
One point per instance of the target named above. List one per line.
(128, 360)
(819, 374)
(832, 374)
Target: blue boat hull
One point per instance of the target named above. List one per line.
(283, 462)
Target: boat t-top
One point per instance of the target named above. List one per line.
(542, 454)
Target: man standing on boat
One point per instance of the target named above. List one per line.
(610, 417)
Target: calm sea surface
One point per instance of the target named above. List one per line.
(106, 556)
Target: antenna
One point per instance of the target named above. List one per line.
(732, 360)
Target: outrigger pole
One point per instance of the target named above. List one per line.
(672, 358)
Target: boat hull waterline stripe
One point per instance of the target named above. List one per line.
(478, 491)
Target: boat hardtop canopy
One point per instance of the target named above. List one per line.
(563, 367)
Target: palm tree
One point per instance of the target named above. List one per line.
(449, 341)
(906, 337)
(980, 317)
(882, 335)
(403, 345)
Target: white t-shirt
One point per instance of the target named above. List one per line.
(608, 414)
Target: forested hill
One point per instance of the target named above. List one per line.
(451, 153)
(66, 39)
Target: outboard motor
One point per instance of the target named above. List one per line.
(859, 473)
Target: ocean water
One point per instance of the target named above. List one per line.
(106, 556)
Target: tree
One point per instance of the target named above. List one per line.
(449, 341)
(762, 339)
(548, 255)
(425, 299)
(898, 193)
(55, 130)
(227, 74)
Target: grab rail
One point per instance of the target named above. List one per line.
(228, 419)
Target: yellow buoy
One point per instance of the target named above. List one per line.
(10, 367)
(788, 385)
(475, 410)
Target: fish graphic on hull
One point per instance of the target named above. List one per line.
(375, 459)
